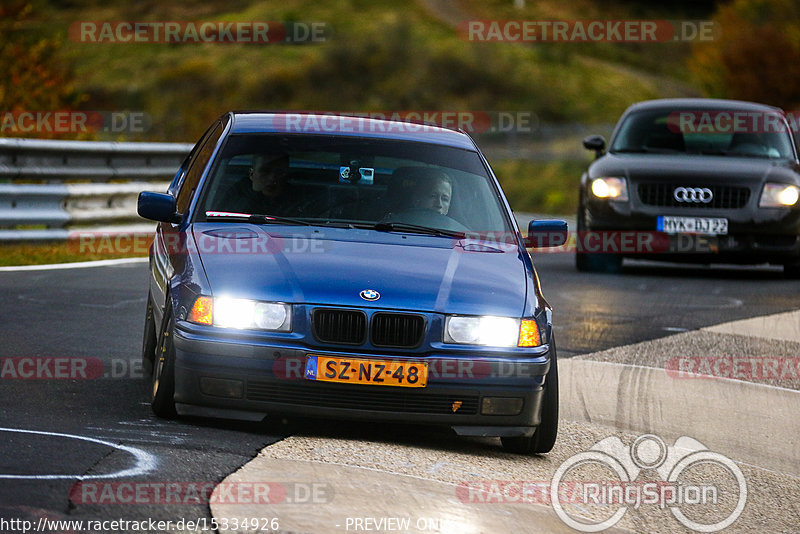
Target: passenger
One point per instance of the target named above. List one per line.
(434, 192)
(419, 187)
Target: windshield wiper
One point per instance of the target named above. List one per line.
(629, 151)
(415, 228)
(647, 150)
(735, 154)
(254, 218)
(712, 152)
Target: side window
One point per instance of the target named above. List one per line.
(196, 167)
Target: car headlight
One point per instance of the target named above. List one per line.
(610, 188)
(779, 196)
(491, 331)
(242, 314)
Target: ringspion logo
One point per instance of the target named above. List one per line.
(705, 491)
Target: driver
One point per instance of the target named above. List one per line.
(264, 190)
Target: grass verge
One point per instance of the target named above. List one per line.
(60, 252)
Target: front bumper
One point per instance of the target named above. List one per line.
(237, 377)
(755, 235)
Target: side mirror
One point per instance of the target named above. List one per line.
(596, 143)
(547, 233)
(158, 207)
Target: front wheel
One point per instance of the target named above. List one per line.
(149, 339)
(162, 400)
(544, 437)
(593, 262)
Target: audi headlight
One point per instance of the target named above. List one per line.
(779, 196)
(242, 314)
(610, 188)
(491, 331)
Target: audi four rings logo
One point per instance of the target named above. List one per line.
(693, 194)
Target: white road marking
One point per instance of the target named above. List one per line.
(145, 462)
(74, 265)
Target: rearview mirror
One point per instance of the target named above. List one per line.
(158, 207)
(546, 233)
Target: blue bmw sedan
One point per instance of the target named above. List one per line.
(346, 267)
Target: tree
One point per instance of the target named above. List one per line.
(754, 55)
(32, 77)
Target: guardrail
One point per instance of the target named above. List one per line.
(49, 189)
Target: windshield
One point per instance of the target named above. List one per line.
(711, 132)
(352, 181)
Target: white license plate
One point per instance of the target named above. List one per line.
(693, 225)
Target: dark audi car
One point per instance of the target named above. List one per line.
(343, 267)
(692, 180)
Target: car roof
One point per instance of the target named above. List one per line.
(339, 124)
(701, 103)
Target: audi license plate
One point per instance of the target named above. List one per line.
(373, 372)
(693, 225)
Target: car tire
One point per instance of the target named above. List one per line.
(588, 262)
(791, 271)
(163, 392)
(149, 339)
(544, 437)
(598, 263)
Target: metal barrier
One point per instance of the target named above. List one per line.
(50, 188)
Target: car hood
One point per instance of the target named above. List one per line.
(333, 266)
(695, 167)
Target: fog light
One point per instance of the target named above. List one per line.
(221, 387)
(501, 405)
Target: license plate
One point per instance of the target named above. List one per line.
(372, 372)
(693, 225)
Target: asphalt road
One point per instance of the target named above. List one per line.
(649, 300)
(97, 314)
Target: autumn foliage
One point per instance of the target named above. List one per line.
(32, 76)
(756, 55)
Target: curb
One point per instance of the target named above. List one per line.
(783, 326)
(765, 430)
(347, 494)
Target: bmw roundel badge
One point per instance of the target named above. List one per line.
(370, 294)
